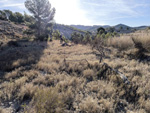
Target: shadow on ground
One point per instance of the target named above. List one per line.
(16, 54)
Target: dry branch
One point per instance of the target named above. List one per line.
(120, 74)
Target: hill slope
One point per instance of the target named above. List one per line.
(15, 31)
(67, 30)
(11, 30)
(89, 28)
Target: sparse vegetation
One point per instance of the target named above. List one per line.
(83, 75)
(84, 86)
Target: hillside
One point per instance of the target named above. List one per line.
(15, 31)
(89, 28)
(10, 30)
(67, 30)
(71, 79)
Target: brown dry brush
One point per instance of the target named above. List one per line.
(105, 71)
(73, 86)
(98, 45)
(140, 53)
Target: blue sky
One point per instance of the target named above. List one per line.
(93, 12)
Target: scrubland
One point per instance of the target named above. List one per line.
(44, 77)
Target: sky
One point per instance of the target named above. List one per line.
(93, 12)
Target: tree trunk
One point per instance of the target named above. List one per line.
(39, 27)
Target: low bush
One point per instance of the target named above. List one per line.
(47, 101)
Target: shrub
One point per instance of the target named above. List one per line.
(89, 74)
(147, 106)
(47, 101)
(90, 105)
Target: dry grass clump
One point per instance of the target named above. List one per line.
(8, 91)
(47, 101)
(89, 74)
(102, 88)
(125, 41)
(147, 105)
(68, 96)
(122, 43)
(107, 105)
(90, 105)
(27, 92)
(48, 67)
(145, 40)
(12, 75)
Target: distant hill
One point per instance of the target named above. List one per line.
(118, 28)
(89, 28)
(67, 30)
(141, 27)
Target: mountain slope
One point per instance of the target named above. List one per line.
(67, 30)
(11, 30)
(89, 28)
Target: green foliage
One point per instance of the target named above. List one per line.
(121, 28)
(2, 15)
(127, 28)
(111, 29)
(28, 18)
(76, 37)
(49, 38)
(9, 15)
(101, 30)
(107, 35)
(19, 17)
(65, 39)
(56, 35)
(87, 38)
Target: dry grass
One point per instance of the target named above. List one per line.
(89, 74)
(90, 105)
(75, 85)
(46, 101)
(125, 42)
(122, 43)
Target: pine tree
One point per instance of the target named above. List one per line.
(42, 12)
